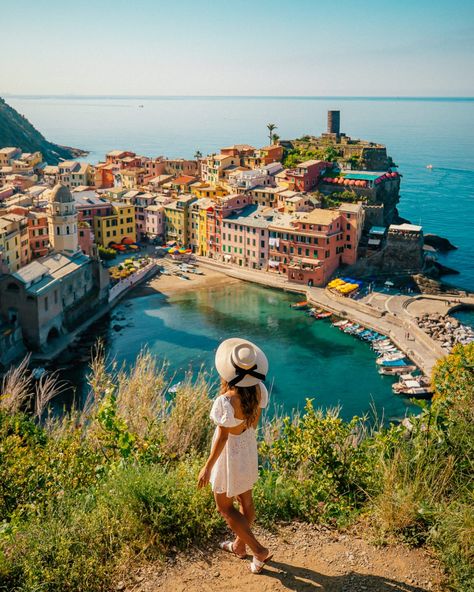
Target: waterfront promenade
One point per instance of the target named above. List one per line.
(389, 315)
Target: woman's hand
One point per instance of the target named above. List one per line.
(204, 476)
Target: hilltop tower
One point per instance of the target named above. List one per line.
(62, 220)
(334, 122)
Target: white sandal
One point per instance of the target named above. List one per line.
(229, 547)
(256, 566)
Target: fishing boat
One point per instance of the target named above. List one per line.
(303, 305)
(396, 370)
(323, 315)
(414, 387)
(340, 324)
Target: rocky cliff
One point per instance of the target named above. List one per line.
(17, 131)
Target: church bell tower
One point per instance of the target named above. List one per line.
(62, 221)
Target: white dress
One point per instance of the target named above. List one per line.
(236, 469)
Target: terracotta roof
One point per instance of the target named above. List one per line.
(184, 180)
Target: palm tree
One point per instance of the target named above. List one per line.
(271, 128)
(275, 138)
(198, 154)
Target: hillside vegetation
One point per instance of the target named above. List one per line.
(86, 497)
(17, 131)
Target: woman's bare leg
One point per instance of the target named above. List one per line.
(239, 524)
(247, 509)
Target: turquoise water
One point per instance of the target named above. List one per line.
(308, 358)
(417, 132)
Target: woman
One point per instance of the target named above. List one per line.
(232, 466)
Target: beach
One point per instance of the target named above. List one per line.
(172, 284)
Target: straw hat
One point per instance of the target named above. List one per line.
(241, 363)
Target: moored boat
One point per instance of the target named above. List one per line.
(303, 305)
(396, 370)
(391, 357)
(323, 315)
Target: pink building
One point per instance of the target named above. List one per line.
(224, 207)
(154, 221)
(88, 206)
(309, 247)
(245, 238)
(86, 238)
(305, 176)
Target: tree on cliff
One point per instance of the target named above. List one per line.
(17, 131)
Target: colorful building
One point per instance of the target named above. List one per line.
(154, 221)
(38, 232)
(202, 189)
(245, 237)
(177, 219)
(223, 208)
(305, 176)
(14, 248)
(309, 247)
(117, 226)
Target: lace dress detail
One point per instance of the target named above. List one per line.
(236, 469)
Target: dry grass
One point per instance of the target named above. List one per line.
(141, 392)
(187, 426)
(17, 388)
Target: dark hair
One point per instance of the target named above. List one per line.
(249, 400)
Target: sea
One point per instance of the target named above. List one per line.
(309, 359)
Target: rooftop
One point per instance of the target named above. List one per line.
(404, 228)
(319, 216)
(40, 274)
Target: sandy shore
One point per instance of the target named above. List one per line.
(171, 284)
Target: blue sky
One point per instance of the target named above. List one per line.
(239, 47)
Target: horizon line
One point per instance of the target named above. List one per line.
(275, 97)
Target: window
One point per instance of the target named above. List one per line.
(348, 237)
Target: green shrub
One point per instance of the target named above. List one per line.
(106, 254)
(452, 535)
(84, 542)
(36, 469)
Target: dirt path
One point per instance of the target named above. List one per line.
(306, 559)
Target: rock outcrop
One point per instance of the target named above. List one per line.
(446, 330)
(17, 131)
(439, 243)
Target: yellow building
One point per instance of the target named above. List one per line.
(116, 227)
(132, 178)
(177, 219)
(10, 244)
(201, 189)
(197, 225)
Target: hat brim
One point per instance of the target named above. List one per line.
(226, 369)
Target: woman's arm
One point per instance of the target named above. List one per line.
(217, 448)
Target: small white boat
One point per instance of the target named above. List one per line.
(390, 358)
(340, 323)
(429, 166)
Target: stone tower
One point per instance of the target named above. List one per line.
(62, 220)
(334, 122)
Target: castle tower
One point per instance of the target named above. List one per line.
(62, 220)
(334, 122)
